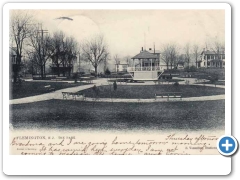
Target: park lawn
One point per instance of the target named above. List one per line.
(222, 83)
(29, 88)
(70, 114)
(149, 91)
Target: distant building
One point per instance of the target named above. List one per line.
(212, 59)
(12, 55)
(15, 64)
(121, 66)
(62, 63)
(180, 65)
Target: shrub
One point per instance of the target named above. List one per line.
(176, 84)
(75, 77)
(115, 85)
(95, 90)
(107, 72)
(192, 69)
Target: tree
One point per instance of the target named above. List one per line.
(19, 32)
(64, 52)
(173, 55)
(57, 42)
(187, 54)
(114, 85)
(95, 51)
(166, 55)
(107, 71)
(40, 49)
(219, 49)
(69, 53)
(196, 53)
(169, 55)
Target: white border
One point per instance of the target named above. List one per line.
(114, 165)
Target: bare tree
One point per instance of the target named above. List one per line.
(196, 53)
(70, 53)
(19, 32)
(166, 55)
(187, 54)
(173, 55)
(40, 49)
(57, 42)
(64, 52)
(219, 49)
(95, 51)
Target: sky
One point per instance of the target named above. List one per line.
(126, 31)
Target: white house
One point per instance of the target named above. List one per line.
(212, 59)
(121, 66)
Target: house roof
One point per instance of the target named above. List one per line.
(156, 51)
(212, 52)
(145, 55)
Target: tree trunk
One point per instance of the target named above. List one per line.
(17, 68)
(58, 71)
(42, 72)
(69, 71)
(95, 70)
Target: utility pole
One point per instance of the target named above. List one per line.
(79, 59)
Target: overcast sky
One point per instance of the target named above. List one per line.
(124, 29)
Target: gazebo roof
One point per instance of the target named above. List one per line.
(145, 55)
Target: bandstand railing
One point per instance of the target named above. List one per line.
(146, 68)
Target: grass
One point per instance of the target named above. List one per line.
(28, 88)
(222, 83)
(149, 91)
(64, 114)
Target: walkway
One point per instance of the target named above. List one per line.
(99, 82)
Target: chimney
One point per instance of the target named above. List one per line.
(154, 48)
(142, 48)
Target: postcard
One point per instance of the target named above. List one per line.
(152, 80)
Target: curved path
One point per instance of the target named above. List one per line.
(99, 82)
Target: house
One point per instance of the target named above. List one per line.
(62, 63)
(121, 66)
(12, 55)
(180, 65)
(212, 59)
(15, 63)
(146, 65)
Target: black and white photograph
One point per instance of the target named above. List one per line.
(142, 73)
